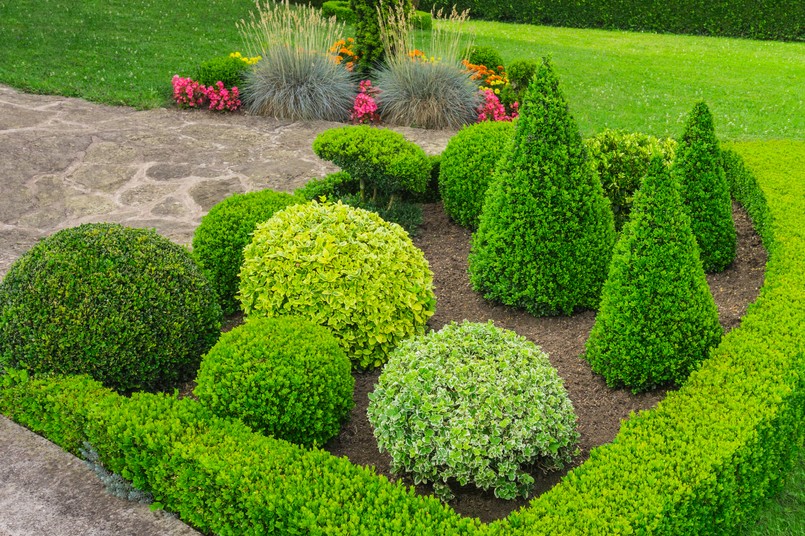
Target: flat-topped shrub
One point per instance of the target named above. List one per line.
(225, 230)
(340, 267)
(468, 163)
(284, 377)
(126, 306)
(546, 232)
(657, 321)
(472, 403)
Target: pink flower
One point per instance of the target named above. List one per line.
(364, 110)
(189, 93)
(491, 109)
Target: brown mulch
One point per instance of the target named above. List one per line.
(600, 410)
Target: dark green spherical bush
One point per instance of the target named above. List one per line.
(284, 377)
(126, 306)
(223, 233)
(468, 163)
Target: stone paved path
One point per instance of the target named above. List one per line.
(64, 162)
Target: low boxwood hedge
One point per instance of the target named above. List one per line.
(697, 464)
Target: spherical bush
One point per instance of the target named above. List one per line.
(468, 162)
(340, 267)
(285, 377)
(126, 306)
(223, 233)
(472, 403)
(487, 56)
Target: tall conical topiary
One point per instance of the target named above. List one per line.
(657, 319)
(705, 192)
(546, 231)
(368, 43)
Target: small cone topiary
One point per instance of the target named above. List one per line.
(657, 319)
(699, 169)
(546, 230)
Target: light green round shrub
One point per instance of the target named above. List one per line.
(472, 403)
(340, 267)
(487, 56)
(338, 9)
(226, 69)
(468, 163)
(225, 230)
(422, 20)
(520, 73)
(622, 160)
(126, 306)
(284, 377)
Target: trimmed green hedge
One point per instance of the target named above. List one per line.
(697, 464)
(770, 19)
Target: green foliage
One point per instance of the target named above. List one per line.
(622, 160)
(332, 186)
(379, 158)
(404, 213)
(481, 55)
(283, 377)
(368, 44)
(468, 163)
(231, 71)
(340, 267)
(338, 9)
(738, 18)
(698, 167)
(657, 320)
(224, 231)
(546, 232)
(126, 306)
(473, 403)
(422, 20)
(520, 73)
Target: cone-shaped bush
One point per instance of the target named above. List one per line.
(699, 169)
(657, 319)
(546, 231)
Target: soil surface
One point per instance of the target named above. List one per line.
(600, 409)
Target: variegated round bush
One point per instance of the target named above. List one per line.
(472, 403)
(340, 267)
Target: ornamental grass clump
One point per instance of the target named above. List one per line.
(700, 170)
(284, 377)
(343, 268)
(225, 230)
(297, 78)
(425, 90)
(546, 232)
(468, 163)
(126, 306)
(657, 321)
(472, 403)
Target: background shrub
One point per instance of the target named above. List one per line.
(338, 9)
(344, 268)
(545, 235)
(520, 73)
(224, 231)
(472, 403)
(468, 163)
(622, 160)
(126, 306)
(422, 21)
(705, 192)
(229, 70)
(333, 186)
(284, 377)
(657, 320)
(481, 55)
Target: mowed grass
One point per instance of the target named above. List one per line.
(125, 52)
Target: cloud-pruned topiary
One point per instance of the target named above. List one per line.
(699, 168)
(546, 232)
(473, 403)
(622, 159)
(657, 320)
(284, 377)
(468, 163)
(340, 267)
(219, 240)
(126, 306)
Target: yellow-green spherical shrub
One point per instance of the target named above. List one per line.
(344, 268)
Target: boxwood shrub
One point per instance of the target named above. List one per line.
(283, 377)
(340, 267)
(126, 306)
(227, 69)
(225, 230)
(472, 403)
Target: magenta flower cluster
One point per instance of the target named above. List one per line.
(491, 109)
(365, 108)
(189, 93)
